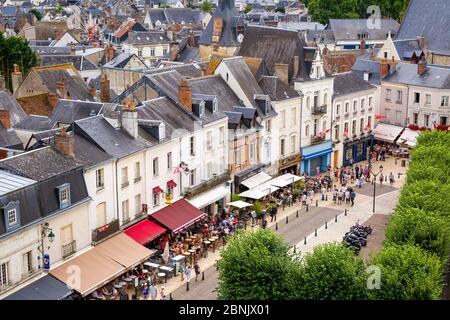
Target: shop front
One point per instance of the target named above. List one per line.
(314, 156)
(387, 133)
(212, 201)
(241, 176)
(357, 150)
(289, 164)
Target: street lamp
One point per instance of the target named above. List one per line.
(46, 232)
(375, 175)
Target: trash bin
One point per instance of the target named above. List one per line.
(403, 163)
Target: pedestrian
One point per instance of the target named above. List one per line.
(153, 291)
(162, 294)
(340, 195)
(274, 213)
(187, 271)
(181, 271)
(391, 179)
(324, 191)
(253, 214)
(347, 196)
(381, 178)
(352, 196)
(317, 170)
(335, 192)
(145, 291)
(304, 197)
(197, 270)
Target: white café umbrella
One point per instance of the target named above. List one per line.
(239, 204)
(166, 252)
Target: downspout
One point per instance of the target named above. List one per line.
(407, 105)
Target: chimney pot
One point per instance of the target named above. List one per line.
(185, 95)
(421, 67)
(64, 142)
(384, 68)
(53, 99)
(282, 72)
(105, 89)
(129, 120)
(5, 118)
(16, 78)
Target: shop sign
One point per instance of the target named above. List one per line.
(46, 262)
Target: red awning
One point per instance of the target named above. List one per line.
(178, 216)
(171, 184)
(145, 231)
(157, 190)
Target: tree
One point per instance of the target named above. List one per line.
(416, 227)
(256, 266)
(280, 9)
(36, 13)
(332, 272)
(248, 8)
(206, 6)
(59, 9)
(407, 273)
(324, 10)
(15, 50)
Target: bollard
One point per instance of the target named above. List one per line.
(345, 212)
(287, 220)
(187, 286)
(294, 248)
(276, 226)
(203, 275)
(335, 218)
(305, 241)
(307, 207)
(326, 197)
(317, 203)
(385, 178)
(398, 177)
(315, 232)
(170, 296)
(297, 214)
(217, 265)
(326, 225)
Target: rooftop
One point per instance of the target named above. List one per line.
(11, 182)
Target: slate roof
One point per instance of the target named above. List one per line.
(68, 111)
(320, 36)
(34, 123)
(179, 15)
(433, 77)
(430, 19)
(121, 60)
(276, 46)
(8, 102)
(185, 70)
(79, 62)
(372, 67)
(44, 50)
(348, 29)
(148, 37)
(9, 139)
(406, 47)
(349, 82)
(10, 182)
(276, 89)
(115, 142)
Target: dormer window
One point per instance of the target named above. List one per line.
(267, 107)
(215, 105)
(64, 195)
(201, 109)
(12, 215)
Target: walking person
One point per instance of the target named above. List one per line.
(391, 179)
(188, 273)
(347, 196)
(181, 271)
(317, 170)
(145, 291)
(340, 196)
(381, 179)
(197, 270)
(324, 191)
(335, 192)
(153, 291)
(352, 196)
(162, 294)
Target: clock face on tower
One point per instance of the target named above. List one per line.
(240, 37)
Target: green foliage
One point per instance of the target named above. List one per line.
(59, 9)
(300, 184)
(258, 207)
(15, 50)
(280, 9)
(235, 197)
(295, 193)
(37, 14)
(331, 272)
(255, 266)
(417, 227)
(248, 8)
(206, 6)
(407, 273)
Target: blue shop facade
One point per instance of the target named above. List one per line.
(316, 155)
(357, 149)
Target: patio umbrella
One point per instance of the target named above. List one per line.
(239, 204)
(166, 252)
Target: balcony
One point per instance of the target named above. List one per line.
(206, 185)
(319, 110)
(105, 231)
(125, 184)
(69, 249)
(317, 139)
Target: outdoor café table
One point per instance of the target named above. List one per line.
(118, 286)
(213, 241)
(132, 277)
(187, 254)
(176, 260)
(127, 279)
(122, 283)
(161, 275)
(152, 265)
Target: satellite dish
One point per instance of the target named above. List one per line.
(240, 37)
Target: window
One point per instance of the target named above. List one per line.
(426, 120)
(156, 199)
(307, 131)
(27, 263)
(354, 127)
(325, 99)
(428, 99)
(293, 144)
(293, 116)
(169, 161)
(192, 146)
(252, 152)
(209, 170)
(338, 109)
(346, 128)
(64, 196)
(4, 276)
(370, 102)
(346, 107)
(125, 211)
(100, 212)
(283, 119)
(444, 121)
(222, 135)
(201, 109)
(336, 132)
(137, 171)
(237, 157)
(316, 125)
(363, 103)
(12, 217)
(222, 164)
(388, 94)
(444, 101)
(155, 166)
(369, 121)
(209, 140)
(152, 52)
(282, 146)
(100, 178)
(385, 55)
(268, 126)
(124, 177)
(139, 53)
(324, 126)
(137, 204)
(316, 99)
(355, 104)
(164, 51)
(415, 118)
(416, 97)
(398, 116)
(361, 125)
(66, 235)
(399, 96)
(388, 114)
(192, 177)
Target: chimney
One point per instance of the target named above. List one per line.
(185, 95)
(72, 48)
(104, 89)
(5, 118)
(130, 36)
(421, 40)
(217, 29)
(421, 67)
(64, 143)
(93, 91)
(384, 68)
(53, 99)
(57, 35)
(16, 78)
(110, 52)
(61, 88)
(191, 39)
(362, 46)
(282, 72)
(129, 119)
(170, 35)
(296, 65)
